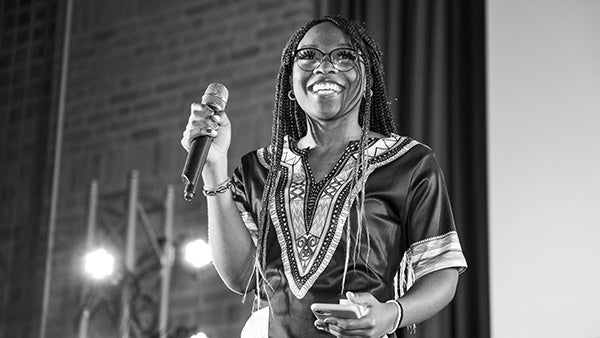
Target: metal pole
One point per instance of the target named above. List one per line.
(91, 219)
(84, 322)
(166, 264)
(149, 231)
(129, 253)
(89, 242)
(56, 169)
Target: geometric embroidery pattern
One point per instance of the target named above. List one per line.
(309, 217)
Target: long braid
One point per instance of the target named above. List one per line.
(289, 118)
(282, 110)
(360, 168)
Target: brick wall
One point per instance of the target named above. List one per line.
(27, 73)
(135, 67)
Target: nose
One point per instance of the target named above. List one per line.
(326, 66)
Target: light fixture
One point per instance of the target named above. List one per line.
(99, 263)
(197, 254)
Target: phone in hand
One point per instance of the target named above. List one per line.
(346, 311)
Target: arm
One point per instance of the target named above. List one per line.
(435, 257)
(231, 245)
(427, 297)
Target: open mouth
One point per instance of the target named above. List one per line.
(325, 88)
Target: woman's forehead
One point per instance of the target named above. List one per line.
(325, 34)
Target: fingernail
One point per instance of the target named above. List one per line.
(213, 133)
(217, 118)
(349, 294)
(330, 321)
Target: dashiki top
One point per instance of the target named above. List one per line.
(408, 229)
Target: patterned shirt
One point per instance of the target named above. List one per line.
(316, 250)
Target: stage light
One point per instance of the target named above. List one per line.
(199, 335)
(197, 253)
(99, 263)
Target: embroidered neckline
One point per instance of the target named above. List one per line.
(309, 217)
(351, 149)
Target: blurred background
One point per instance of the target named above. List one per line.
(94, 96)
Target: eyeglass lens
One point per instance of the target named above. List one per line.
(343, 59)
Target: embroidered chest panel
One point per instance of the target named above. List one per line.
(309, 216)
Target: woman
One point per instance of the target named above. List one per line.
(338, 205)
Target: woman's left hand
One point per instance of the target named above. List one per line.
(377, 321)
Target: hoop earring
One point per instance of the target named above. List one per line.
(291, 95)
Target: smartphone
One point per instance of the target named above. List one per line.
(346, 311)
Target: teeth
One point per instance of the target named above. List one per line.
(326, 87)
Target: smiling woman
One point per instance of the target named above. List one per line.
(338, 208)
(328, 80)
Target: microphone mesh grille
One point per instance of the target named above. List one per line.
(216, 95)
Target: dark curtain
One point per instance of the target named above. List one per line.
(435, 65)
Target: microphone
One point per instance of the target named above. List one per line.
(215, 97)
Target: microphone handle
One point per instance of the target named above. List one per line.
(194, 163)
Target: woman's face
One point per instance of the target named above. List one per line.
(327, 93)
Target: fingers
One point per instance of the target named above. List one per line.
(201, 113)
(362, 298)
(351, 324)
(339, 327)
(203, 121)
(319, 324)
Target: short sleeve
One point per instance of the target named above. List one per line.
(242, 202)
(433, 242)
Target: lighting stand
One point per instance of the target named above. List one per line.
(164, 253)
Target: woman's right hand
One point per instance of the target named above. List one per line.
(203, 121)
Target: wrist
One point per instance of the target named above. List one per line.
(399, 314)
(218, 189)
(214, 173)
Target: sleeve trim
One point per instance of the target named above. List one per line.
(437, 253)
(250, 225)
(262, 154)
(426, 256)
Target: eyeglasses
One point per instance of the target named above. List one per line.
(342, 59)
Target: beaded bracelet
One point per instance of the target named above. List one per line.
(398, 317)
(219, 189)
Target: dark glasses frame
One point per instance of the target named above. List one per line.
(298, 61)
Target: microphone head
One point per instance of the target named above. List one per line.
(215, 96)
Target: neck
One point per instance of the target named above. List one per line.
(329, 133)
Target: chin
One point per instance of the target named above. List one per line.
(327, 114)
(330, 109)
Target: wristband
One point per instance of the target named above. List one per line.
(412, 328)
(398, 319)
(219, 189)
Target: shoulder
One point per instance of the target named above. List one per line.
(253, 167)
(260, 157)
(390, 149)
(264, 155)
(406, 159)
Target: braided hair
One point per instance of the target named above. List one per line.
(289, 118)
